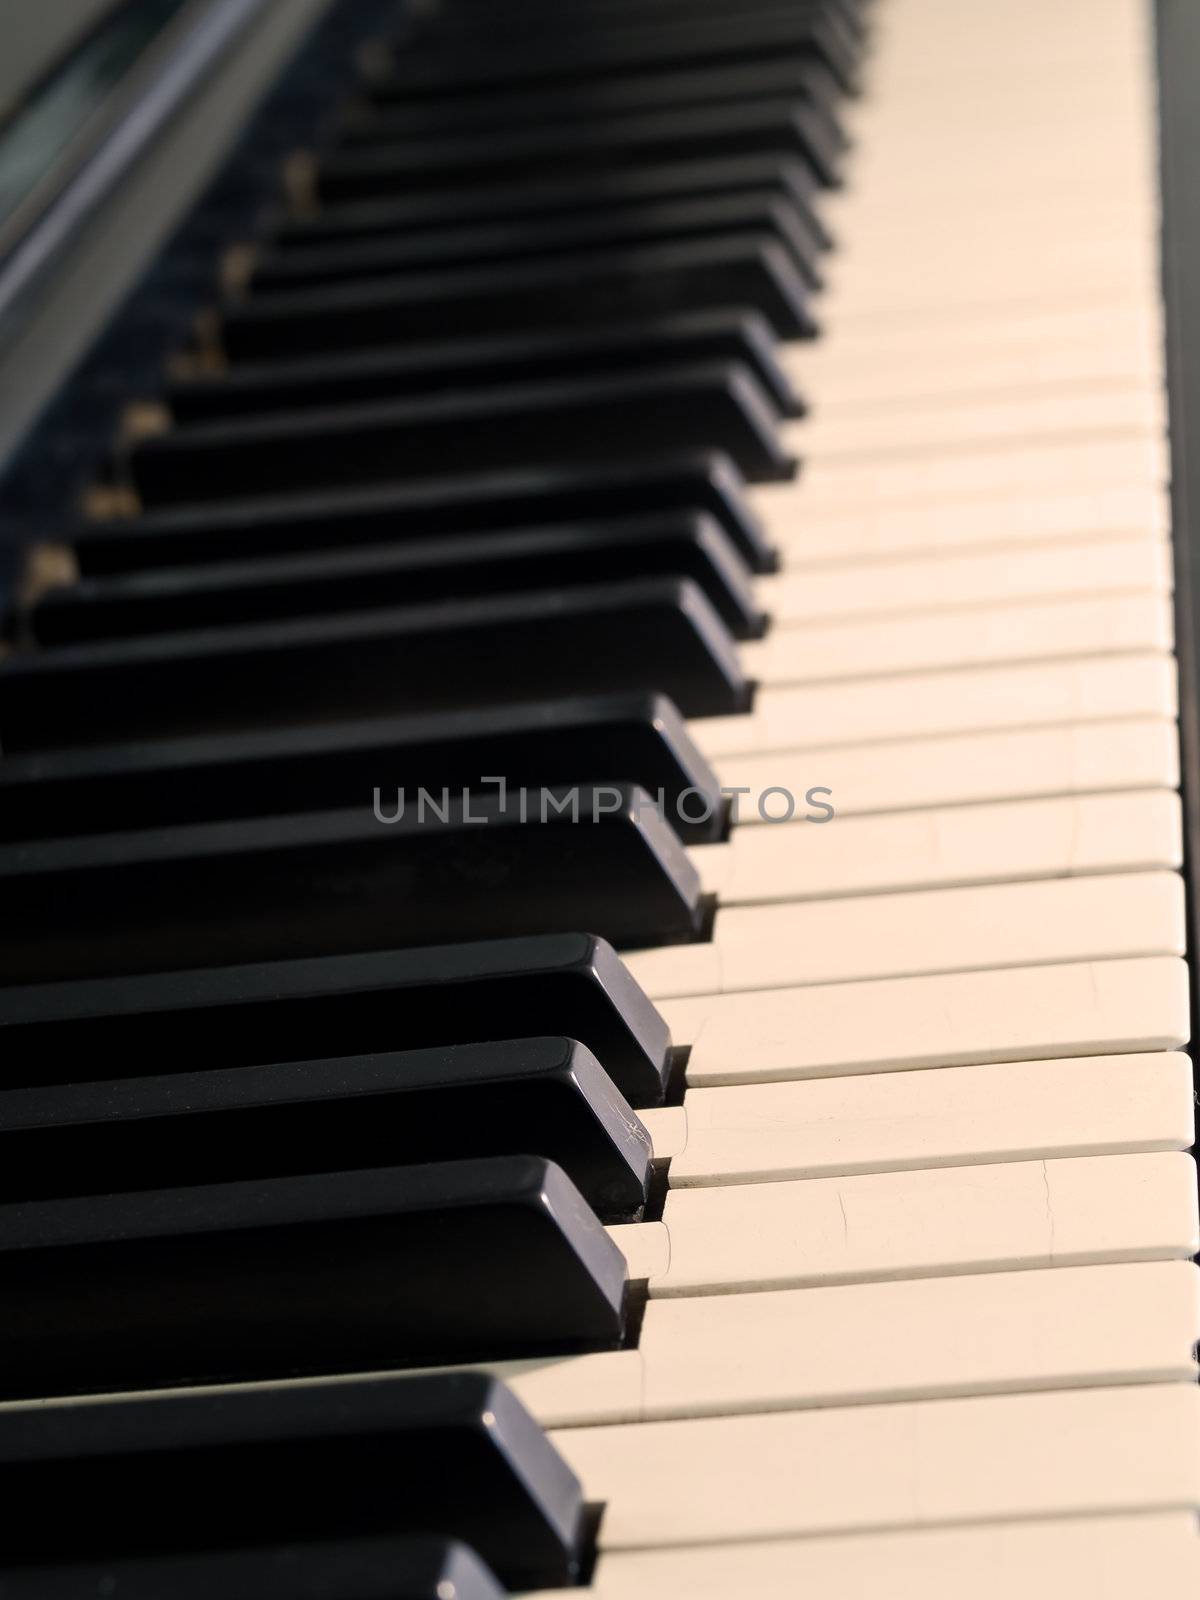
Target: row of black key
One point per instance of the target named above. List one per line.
(565, 260)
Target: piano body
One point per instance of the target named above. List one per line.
(599, 738)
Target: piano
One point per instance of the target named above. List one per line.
(599, 729)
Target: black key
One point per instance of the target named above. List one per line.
(465, 25)
(785, 177)
(511, 501)
(500, 243)
(425, 370)
(455, 568)
(751, 271)
(382, 114)
(570, 984)
(657, 635)
(431, 369)
(382, 1568)
(770, 32)
(757, 127)
(456, 1455)
(637, 738)
(333, 882)
(543, 1097)
(334, 1272)
(712, 407)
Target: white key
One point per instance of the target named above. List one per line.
(1104, 1558)
(941, 930)
(722, 1355)
(842, 534)
(1116, 459)
(852, 387)
(933, 1222)
(1015, 334)
(962, 769)
(922, 1464)
(966, 700)
(861, 295)
(1021, 839)
(957, 1019)
(893, 588)
(1034, 630)
(884, 1122)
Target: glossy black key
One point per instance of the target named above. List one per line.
(330, 1272)
(750, 271)
(785, 177)
(657, 635)
(637, 738)
(543, 1097)
(381, 113)
(453, 568)
(446, 868)
(499, 243)
(715, 407)
(757, 127)
(412, 371)
(467, 503)
(571, 984)
(770, 32)
(380, 1568)
(274, 772)
(389, 1456)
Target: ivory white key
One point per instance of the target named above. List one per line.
(1125, 269)
(1021, 839)
(933, 1222)
(1117, 458)
(958, 425)
(892, 588)
(947, 1020)
(923, 1464)
(938, 930)
(1083, 758)
(722, 1355)
(1104, 1558)
(884, 1122)
(1039, 630)
(838, 535)
(1004, 335)
(966, 700)
(855, 388)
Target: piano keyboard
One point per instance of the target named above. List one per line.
(594, 987)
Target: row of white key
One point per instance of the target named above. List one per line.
(922, 1281)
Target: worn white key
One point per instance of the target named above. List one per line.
(964, 700)
(1022, 839)
(722, 1355)
(932, 1222)
(1141, 753)
(1114, 459)
(922, 1464)
(940, 930)
(949, 1020)
(892, 588)
(1033, 630)
(808, 538)
(1104, 1558)
(885, 1122)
